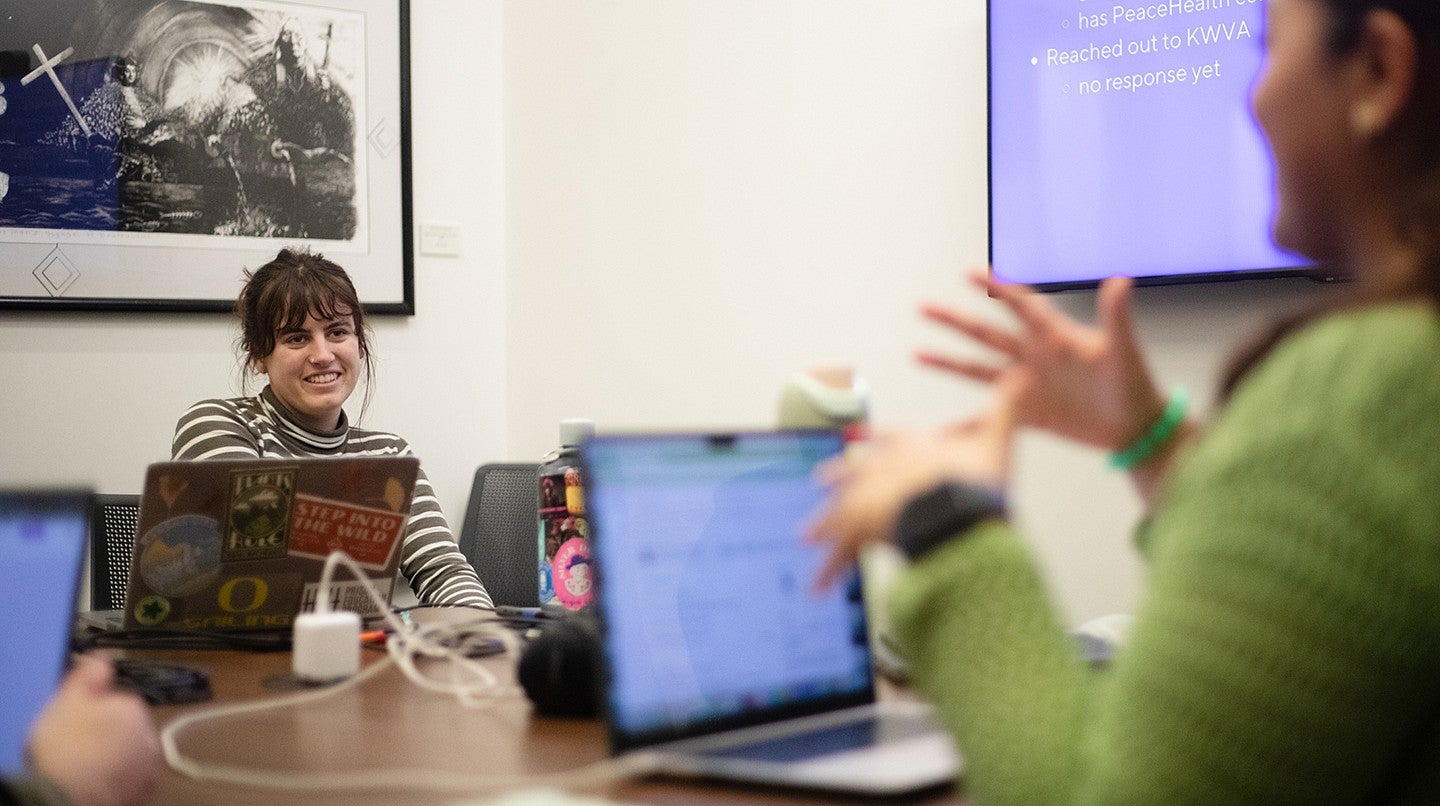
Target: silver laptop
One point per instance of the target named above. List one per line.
(42, 550)
(721, 660)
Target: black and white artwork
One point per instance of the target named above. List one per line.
(143, 143)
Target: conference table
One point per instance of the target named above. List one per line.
(387, 723)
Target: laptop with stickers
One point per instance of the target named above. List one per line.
(240, 544)
(721, 661)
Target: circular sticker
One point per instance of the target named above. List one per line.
(181, 556)
(574, 586)
(152, 610)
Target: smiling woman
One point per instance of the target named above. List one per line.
(313, 368)
(303, 328)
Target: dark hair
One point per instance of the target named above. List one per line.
(1412, 146)
(1410, 166)
(282, 293)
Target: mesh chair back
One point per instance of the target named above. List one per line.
(113, 523)
(499, 536)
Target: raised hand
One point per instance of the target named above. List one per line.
(1089, 384)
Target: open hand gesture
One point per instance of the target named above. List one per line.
(1089, 384)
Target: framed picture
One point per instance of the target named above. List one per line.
(151, 150)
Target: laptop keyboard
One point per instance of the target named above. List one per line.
(827, 741)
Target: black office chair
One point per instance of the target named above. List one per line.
(499, 536)
(113, 522)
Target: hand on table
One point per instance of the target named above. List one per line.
(97, 743)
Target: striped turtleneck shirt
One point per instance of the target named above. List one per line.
(254, 427)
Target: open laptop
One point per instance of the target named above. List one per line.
(240, 544)
(721, 660)
(42, 551)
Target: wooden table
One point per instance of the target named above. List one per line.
(387, 722)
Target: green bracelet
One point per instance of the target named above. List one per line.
(1152, 440)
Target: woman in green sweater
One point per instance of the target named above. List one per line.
(1287, 649)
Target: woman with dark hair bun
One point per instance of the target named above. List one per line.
(302, 326)
(1287, 648)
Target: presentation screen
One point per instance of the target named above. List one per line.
(1121, 142)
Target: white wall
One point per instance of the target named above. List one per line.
(93, 398)
(699, 199)
(705, 197)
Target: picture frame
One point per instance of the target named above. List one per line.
(151, 151)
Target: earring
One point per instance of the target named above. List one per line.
(1364, 121)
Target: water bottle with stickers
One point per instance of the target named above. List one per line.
(566, 577)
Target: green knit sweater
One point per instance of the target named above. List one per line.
(1287, 649)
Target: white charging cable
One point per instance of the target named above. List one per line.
(469, 681)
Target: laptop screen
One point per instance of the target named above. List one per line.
(42, 541)
(705, 594)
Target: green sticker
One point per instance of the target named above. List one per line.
(152, 610)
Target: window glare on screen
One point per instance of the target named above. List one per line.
(1121, 142)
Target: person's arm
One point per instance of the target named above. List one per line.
(1282, 653)
(431, 560)
(989, 637)
(96, 744)
(1007, 681)
(214, 429)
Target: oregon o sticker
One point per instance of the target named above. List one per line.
(250, 596)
